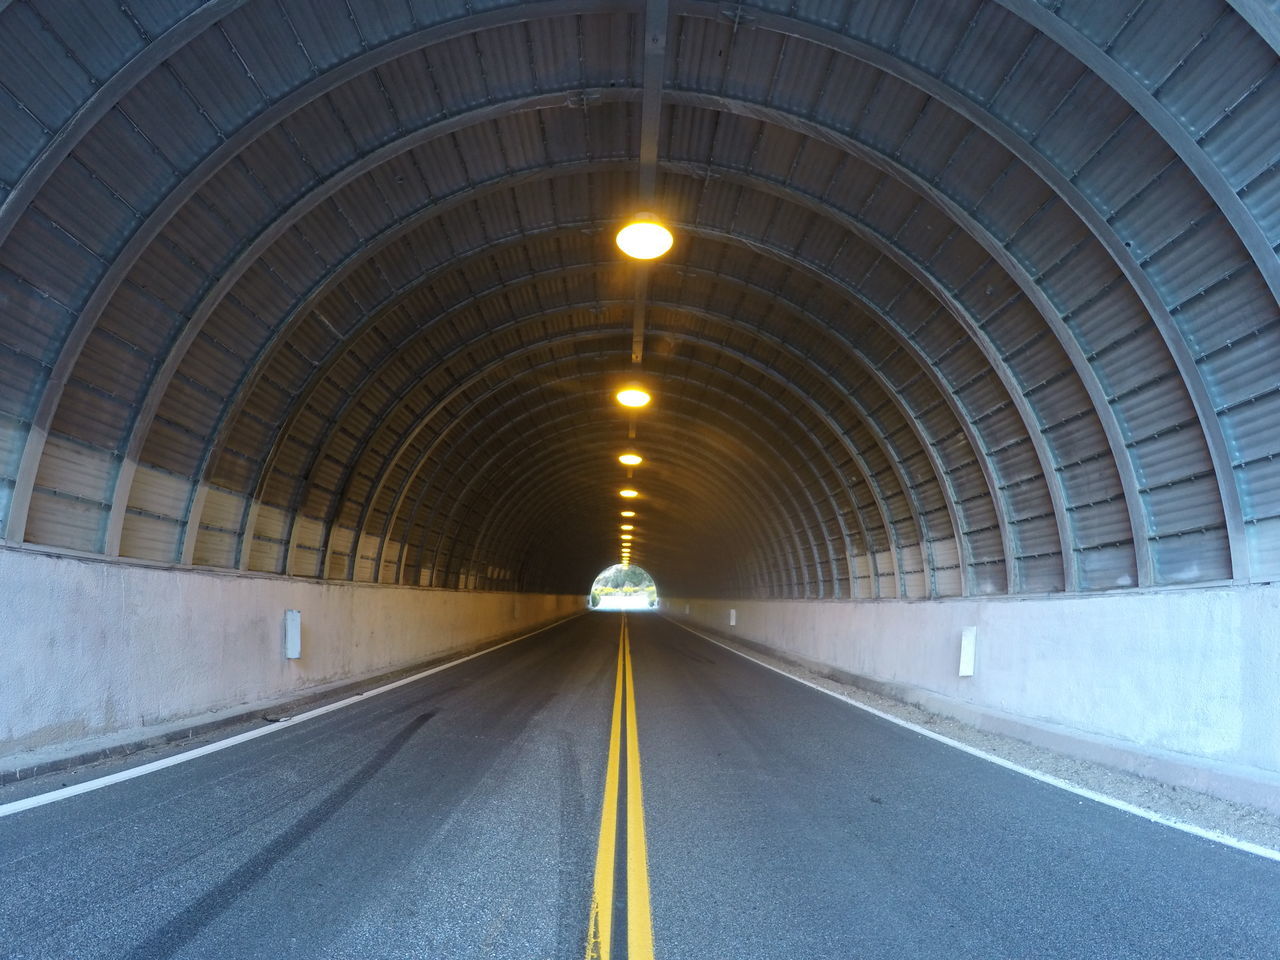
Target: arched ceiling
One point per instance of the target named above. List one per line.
(967, 297)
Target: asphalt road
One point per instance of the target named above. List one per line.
(458, 816)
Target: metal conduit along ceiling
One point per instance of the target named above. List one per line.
(966, 296)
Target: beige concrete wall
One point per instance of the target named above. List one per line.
(1151, 681)
(94, 649)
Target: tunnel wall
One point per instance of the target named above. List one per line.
(96, 651)
(1181, 685)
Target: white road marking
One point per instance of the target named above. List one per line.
(1154, 816)
(39, 800)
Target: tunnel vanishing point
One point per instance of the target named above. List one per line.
(963, 364)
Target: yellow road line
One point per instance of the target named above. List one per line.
(600, 929)
(639, 914)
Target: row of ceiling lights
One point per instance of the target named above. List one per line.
(644, 238)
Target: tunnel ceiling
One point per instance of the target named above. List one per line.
(967, 296)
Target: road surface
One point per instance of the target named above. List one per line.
(745, 816)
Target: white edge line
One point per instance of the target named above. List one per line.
(40, 799)
(1215, 836)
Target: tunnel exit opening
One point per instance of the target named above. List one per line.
(623, 587)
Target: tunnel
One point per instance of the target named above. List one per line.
(961, 383)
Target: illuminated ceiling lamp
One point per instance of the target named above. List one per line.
(644, 238)
(626, 536)
(628, 493)
(628, 526)
(627, 513)
(633, 396)
(630, 459)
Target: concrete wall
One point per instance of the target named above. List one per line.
(92, 649)
(1183, 685)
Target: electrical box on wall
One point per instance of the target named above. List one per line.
(733, 618)
(968, 650)
(292, 634)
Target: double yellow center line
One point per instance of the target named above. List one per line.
(639, 915)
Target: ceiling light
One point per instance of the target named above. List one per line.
(628, 493)
(631, 459)
(626, 536)
(628, 513)
(628, 526)
(632, 397)
(644, 238)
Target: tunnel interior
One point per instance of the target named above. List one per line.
(966, 298)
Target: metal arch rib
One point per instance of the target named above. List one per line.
(945, 391)
(793, 517)
(784, 542)
(120, 501)
(742, 358)
(265, 470)
(773, 517)
(791, 193)
(773, 566)
(102, 100)
(891, 328)
(904, 260)
(345, 175)
(227, 280)
(122, 263)
(1165, 124)
(509, 540)
(493, 518)
(407, 439)
(497, 536)
(1262, 16)
(923, 363)
(248, 533)
(960, 314)
(474, 476)
(156, 52)
(940, 475)
(1061, 184)
(1035, 295)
